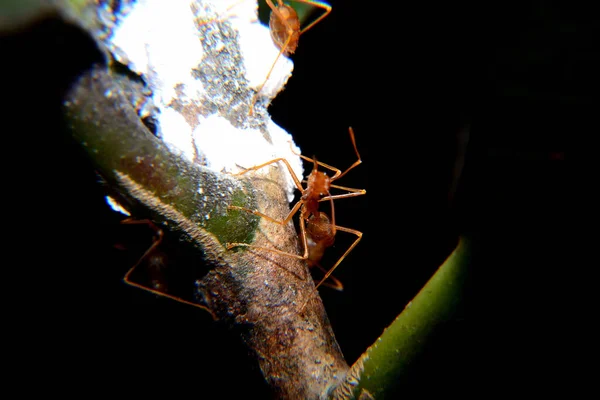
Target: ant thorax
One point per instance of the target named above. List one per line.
(317, 187)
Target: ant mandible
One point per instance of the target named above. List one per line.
(317, 230)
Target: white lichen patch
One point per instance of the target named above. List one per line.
(232, 150)
(177, 133)
(160, 42)
(203, 62)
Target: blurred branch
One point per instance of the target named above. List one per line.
(384, 367)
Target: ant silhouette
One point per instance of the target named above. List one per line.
(317, 230)
(156, 261)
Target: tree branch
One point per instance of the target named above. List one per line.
(268, 297)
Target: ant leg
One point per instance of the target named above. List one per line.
(357, 192)
(287, 164)
(283, 222)
(358, 161)
(265, 216)
(157, 240)
(352, 246)
(354, 193)
(318, 4)
(337, 284)
(287, 219)
(258, 213)
(337, 172)
(285, 253)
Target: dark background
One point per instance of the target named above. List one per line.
(408, 78)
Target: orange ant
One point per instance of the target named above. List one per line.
(284, 26)
(316, 229)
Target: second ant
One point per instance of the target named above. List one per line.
(317, 229)
(284, 26)
(285, 29)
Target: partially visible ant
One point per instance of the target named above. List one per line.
(156, 262)
(317, 230)
(284, 26)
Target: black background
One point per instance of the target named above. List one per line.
(407, 77)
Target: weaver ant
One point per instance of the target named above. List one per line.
(284, 26)
(317, 230)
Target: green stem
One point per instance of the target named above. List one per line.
(384, 366)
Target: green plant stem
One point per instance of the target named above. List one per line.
(382, 367)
